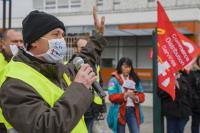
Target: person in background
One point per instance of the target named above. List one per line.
(80, 43)
(11, 41)
(39, 94)
(3, 62)
(177, 112)
(98, 106)
(12, 36)
(125, 94)
(195, 84)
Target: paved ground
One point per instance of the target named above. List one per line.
(147, 127)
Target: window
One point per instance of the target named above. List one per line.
(75, 3)
(50, 4)
(38, 4)
(116, 4)
(107, 62)
(147, 85)
(99, 2)
(151, 0)
(63, 3)
(55, 6)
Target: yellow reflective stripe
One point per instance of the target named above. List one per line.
(3, 62)
(98, 68)
(65, 62)
(98, 73)
(44, 87)
(3, 120)
(81, 126)
(67, 79)
(98, 100)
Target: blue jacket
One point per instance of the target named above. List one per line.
(114, 87)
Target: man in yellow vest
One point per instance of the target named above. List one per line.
(98, 106)
(10, 41)
(38, 93)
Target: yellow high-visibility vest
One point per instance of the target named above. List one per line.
(43, 86)
(3, 63)
(97, 99)
(65, 62)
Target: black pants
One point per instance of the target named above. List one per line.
(89, 123)
(176, 125)
(2, 128)
(195, 123)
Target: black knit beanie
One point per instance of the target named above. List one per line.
(36, 24)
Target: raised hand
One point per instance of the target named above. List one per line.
(99, 25)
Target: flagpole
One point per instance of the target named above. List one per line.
(157, 118)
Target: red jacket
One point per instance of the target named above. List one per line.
(119, 98)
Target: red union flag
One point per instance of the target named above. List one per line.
(175, 51)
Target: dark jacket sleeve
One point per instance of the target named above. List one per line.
(195, 85)
(27, 112)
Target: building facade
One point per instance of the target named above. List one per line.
(129, 26)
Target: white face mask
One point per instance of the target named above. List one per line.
(14, 49)
(129, 84)
(57, 51)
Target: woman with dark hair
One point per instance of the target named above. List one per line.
(125, 95)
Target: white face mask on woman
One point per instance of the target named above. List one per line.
(57, 51)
